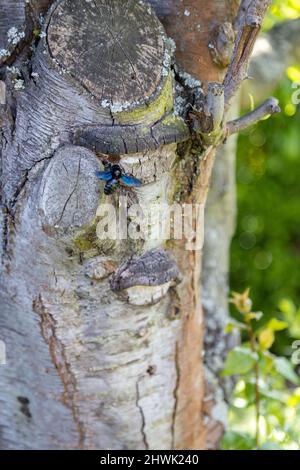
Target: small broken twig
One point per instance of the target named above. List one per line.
(268, 107)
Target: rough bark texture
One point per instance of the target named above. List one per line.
(95, 361)
(87, 353)
(187, 23)
(220, 214)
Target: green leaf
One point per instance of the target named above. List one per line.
(294, 400)
(287, 307)
(233, 325)
(291, 315)
(285, 368)
(277, 325)
(295, 325)
(253, 316)
(237, 441)
(229, 328)
(266, 362)
(274, 395)
(266, 338)
(258, 315)
(239, 361)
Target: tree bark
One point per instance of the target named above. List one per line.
(104, 338)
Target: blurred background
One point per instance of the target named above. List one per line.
(265, 256)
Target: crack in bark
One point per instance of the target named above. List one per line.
(175, 394)
(24, 180)
(9, 216)
(9, 208)
(71, 194)
(59, 360)
(137, 402)
(117, 41)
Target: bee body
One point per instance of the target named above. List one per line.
(114, 175)
(111, 187)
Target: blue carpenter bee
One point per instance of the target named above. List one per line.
(114, 175)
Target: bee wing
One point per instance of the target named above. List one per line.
(104, 175)
(130, 181)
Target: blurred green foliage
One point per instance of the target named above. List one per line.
(265, 407)
(281, 10)
(266, 256)
(266, 248)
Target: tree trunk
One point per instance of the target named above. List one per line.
(104, 338)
